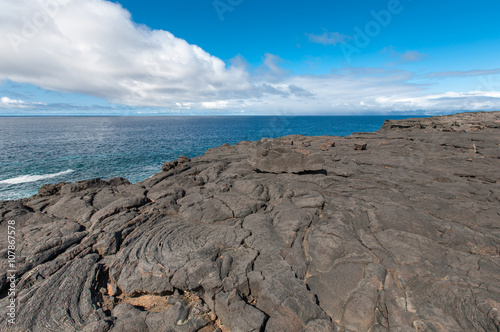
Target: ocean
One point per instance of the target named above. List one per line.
(40, 150)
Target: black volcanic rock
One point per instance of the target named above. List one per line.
(289, 234)
(283, 157)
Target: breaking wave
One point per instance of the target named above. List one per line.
(34, 178)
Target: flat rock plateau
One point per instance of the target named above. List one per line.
(397, 230)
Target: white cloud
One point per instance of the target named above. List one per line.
(215, 105)
(93, 47)
(411, 56)
(328, 38)
(6, 102)
(466, 73)
(405, 57)
(446, 102)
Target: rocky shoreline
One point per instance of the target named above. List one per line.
(397, 230)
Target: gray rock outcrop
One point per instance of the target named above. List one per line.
(288, 234)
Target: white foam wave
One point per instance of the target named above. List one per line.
(34, 178)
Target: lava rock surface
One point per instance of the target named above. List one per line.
(397, 230)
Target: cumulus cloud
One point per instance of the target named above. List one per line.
(93, 47)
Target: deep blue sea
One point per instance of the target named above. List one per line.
(39, 150)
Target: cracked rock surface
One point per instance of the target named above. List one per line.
(289, 234)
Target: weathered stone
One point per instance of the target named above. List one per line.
(270, 236)
(360, 146)
(237, 315)
(277, 160)
(50, 189)
(169, 165)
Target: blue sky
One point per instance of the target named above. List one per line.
(249, 57)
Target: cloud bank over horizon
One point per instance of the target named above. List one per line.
(94, 48)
